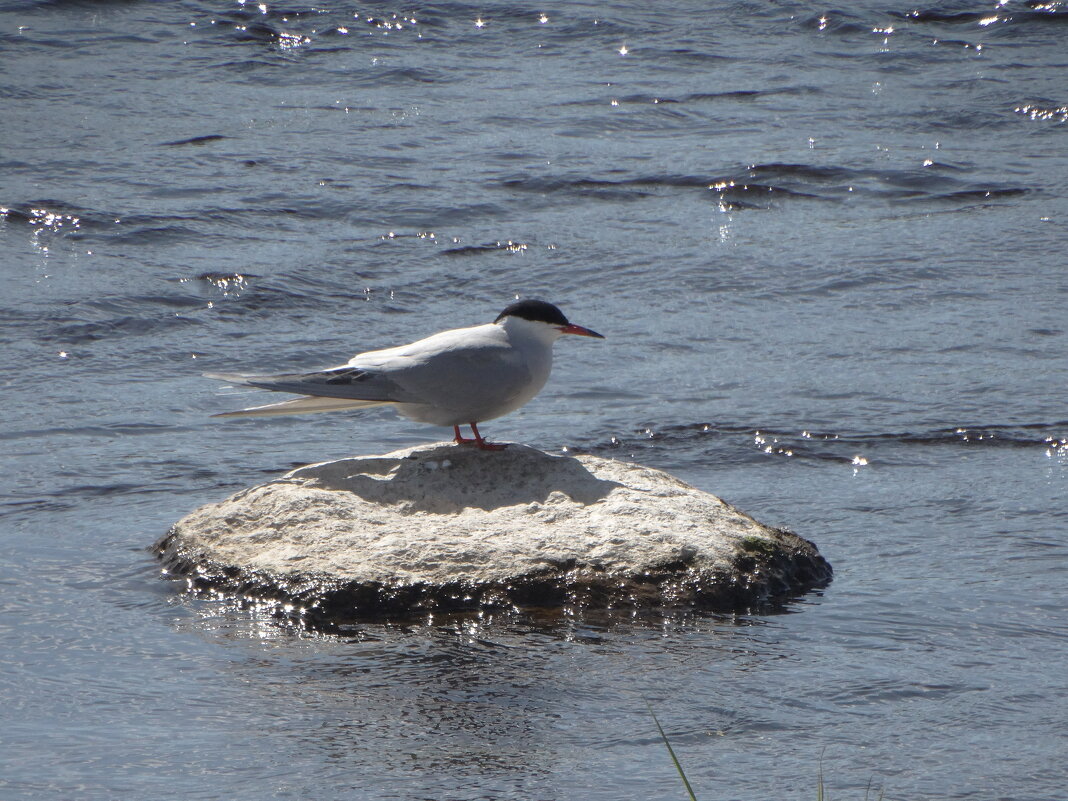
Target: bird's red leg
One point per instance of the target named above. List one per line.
(486, 446)
(460, 439)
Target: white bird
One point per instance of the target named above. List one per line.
(464, 376)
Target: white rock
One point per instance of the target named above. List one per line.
(443, 526)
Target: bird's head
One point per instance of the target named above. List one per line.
(541, 318)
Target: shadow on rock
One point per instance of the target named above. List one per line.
(446, 479)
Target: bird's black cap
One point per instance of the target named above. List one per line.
(536, 311)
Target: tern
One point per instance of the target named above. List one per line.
(463, 376)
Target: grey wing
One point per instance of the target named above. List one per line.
(462, 377)
(338, 382)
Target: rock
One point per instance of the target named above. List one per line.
(443, 527)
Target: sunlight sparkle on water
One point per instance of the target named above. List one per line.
(52, 220)
(1039, 113)
(858, 462)
(770, 445)
(288, 41)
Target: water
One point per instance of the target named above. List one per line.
(828, 251)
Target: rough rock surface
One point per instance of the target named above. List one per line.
(445, 527)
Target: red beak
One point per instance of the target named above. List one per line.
(579, 331)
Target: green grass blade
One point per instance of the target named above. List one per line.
(675, 759)
(819, 786)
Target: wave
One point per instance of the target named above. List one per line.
(1040, 12)
(691, 98)
(196, 140)
(75, 333)
(286, 29)
(838, 22)
(62, 218)
(488, 247)
(840, 447)
(764, 185)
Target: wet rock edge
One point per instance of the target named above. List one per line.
(762, 577)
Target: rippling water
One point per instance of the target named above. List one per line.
(828, 251)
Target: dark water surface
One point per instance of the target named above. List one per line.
(828, 249)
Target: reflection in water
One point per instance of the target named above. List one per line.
(502, 697)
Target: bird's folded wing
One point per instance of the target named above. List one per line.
(339, 382)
